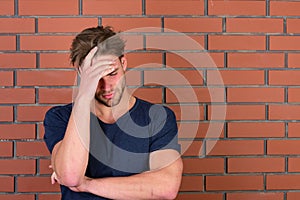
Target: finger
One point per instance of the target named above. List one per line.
(100, 72)
(53, 180)
(50, 167)
(88, 59)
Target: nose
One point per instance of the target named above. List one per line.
(105, 84)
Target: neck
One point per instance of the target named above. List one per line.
(112, 114)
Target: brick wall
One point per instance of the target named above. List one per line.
(236, 94)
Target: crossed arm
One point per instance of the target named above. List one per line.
(154, 184)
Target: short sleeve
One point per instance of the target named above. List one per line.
(55, 125)
(165, 135)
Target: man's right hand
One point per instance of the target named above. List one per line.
(91, 72)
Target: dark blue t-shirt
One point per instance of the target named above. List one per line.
(121, 148)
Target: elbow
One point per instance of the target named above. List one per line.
(70, 182)
(170, 194)
(69, 179)
(166, 191)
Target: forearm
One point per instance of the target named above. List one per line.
(159, 184)
(70, 156)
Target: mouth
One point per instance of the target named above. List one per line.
(108, 96)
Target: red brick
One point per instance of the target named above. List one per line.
(49, 196)
(17, 95)
(255, 95)
(44, 166)
(55, 95)
(201, 130)
(288, 77)
(193, 24)
(293, 129)
(58, 25)
(7, 7)
(194, 95)
(188, 112)
(293, 60)
(6, 149)
(199, 196)
(192, 183)
(235, 147)
(195, 60)
(293, 195)
(17, 25)
(293, 25)
(283, 147)
(254, 25)
(31, 113)
(216, 183)
(294, 95)
(133, 42)
(14, 166)
(41, 131)
(236, 7)
(284, 112)
(284, 42)
(178, 7)
(251, 165)
(284, 8)
(8, 43)
(36, 184)
(173, 77)
(283, 182)
(6, 184)
(133, 78)
(256, 60)
(48, 7)
(55, 60)
(6, 113)
(191, 148)
(235, 77)
(6, 78)
(17, 60)
(46, 78)
(203, 165)
(32, 149)
(17, 131)
(144, 60)
(237, 112)
(153, 95)
(133, 24)
(45, 42)
(256, 129)
(293, 164)
(175, 42)
(17, 197)
(107, 7)
(256, 196)
(236, 42)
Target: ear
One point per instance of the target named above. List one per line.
(124, 63)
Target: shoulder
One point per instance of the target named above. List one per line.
(58, 113)
(154, 109)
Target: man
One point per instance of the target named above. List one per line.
(109, 144)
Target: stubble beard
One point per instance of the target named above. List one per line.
(118, 94)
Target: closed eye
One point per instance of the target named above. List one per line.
(113, 73)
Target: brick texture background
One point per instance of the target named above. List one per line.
(255, 49)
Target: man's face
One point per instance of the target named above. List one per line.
(111, 87)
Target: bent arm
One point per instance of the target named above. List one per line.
(70, 156)
(161, 182)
